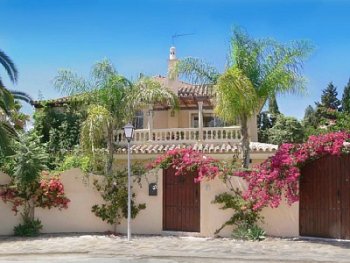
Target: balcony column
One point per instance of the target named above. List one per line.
(150, 123)
(200, 120)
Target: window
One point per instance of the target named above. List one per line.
(209, 120)
(138, 120)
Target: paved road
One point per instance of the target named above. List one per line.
(146, 249)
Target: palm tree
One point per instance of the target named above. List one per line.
(6, 129)
(7, 103)
(257, 70)
(113, 102)
(9, 66)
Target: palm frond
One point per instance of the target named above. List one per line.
(7, 133)
(9, 66)
(270, 66)
(147, 91)
(236, 95)
(6, 100)
(196, 71)
(283, 69)
(19, 95)
(69, 83)
(94, 128)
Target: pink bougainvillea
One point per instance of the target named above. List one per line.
(278, 176)
(51, 194)
(187, 159)
(47, 193)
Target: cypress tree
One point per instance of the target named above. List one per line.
(346, 98)
(329, 98)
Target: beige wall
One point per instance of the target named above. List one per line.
(7, 218)
(160, 120)
(77, 218)
(282, 221)
(149, 220)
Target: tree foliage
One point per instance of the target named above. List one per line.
(30, 186)
(29, 160)
(345, 102)
(270, 67)
(59, 129)
(113, 101)
(329, 98)
(9, 110)
(7, 131)
(286, 130)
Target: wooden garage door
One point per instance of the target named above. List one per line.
(181, 202)
(325, 198)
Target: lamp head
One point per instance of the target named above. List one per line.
(129, 131)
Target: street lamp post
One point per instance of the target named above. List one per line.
(129, 132)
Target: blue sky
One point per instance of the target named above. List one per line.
(43, 36)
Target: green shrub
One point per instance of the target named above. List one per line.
(246, 231)
(75, 160)
(29, 228)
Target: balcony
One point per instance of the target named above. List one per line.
(182, 135)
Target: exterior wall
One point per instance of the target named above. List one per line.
(7, 218)
(173, 119)
(160, 120)
(149, 220)
(77, 218)
(281, 221)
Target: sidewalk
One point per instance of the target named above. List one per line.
(175, 249)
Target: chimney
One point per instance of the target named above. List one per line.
(172, 75)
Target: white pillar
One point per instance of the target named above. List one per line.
(150, 123)
(200, 120)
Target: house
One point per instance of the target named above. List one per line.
(180, 205)
(177, 204)
(160, 128)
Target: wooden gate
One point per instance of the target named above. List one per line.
(181, 202)
(325, 198)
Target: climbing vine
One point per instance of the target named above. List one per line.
(114, 191)
(187, 159)
(278, 176)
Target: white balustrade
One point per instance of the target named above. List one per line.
(182, 135)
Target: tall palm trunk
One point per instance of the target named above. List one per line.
(245, 141)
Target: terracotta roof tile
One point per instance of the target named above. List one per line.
(204, 147)
(196, 91)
